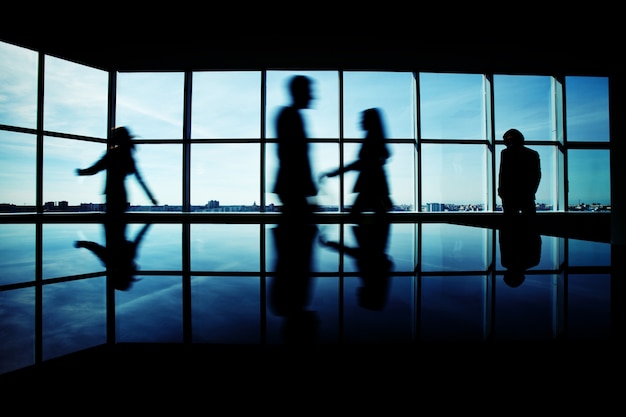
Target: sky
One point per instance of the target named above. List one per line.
(226, 108)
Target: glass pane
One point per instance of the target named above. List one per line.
(151, 104)
(323, 157)
(17, 328)
(391, 92)
(589, 180)
(454, 177)
(226, 105)
(587, 101)
(450, 247)
(61, 158)
(226, 310)
(18, 86)
(161, 247)
(452, 106)
(550, 257)
(588, 253)
(322, 118)
(76, 98)
(161, 167)
(225, 177)
(523, 102)
(546, 196)
(453, 308)
(211, 251)
(323, 258)
(526, 312)
(589, 307)
(318, 325)
(17, 253)
(61, 257)
(18, 162)
(74, 316)
(151, 311)
(385, 317)
(399, 170)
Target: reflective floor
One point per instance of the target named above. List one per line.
(71, 288)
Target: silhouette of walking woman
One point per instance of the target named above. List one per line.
(371, 184)
(294, 182)
(118, 254)
(371, 258)
(118, 162)
(519, 175)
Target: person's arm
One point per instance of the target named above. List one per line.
(100, 165)
(145, 187)
(350, 167)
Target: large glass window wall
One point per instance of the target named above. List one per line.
(205, 140)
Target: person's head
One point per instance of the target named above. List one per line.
(120, 136)
(513, 137)
(300, 89)
(371, 121)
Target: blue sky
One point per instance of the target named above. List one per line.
(227, 106)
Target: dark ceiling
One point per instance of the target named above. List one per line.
(251, 36)
(137, 53)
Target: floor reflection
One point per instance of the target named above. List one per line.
(329, 284)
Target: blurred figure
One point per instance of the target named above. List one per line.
(519, 175)
(290, 289)
(371, 184)
(520, 249)
(294, 183)
(373, 263)
(118, 254)
(118, 162)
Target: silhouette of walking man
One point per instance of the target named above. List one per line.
(118, 162)
(294, 181)
(519, 175)
(371, 184)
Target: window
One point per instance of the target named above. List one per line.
(444, 131)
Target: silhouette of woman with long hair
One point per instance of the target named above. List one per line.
(371, 184)
(118, 162)
(118, 254)
(371, 258)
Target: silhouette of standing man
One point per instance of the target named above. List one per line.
(294, 182)
(519, 175)
(118, 162)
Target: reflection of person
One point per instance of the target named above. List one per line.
(289, 292)
(118, 162)
(519, 175)
(294, 182)
(373, 262)
(371, 184)
(118, 255)
(520, 249)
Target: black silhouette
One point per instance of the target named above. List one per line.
(118, 162)
(374, 264)
(371, 184)
(294, 181)
(118, 254)
(520, 249)
(289, 292)
(519, 175)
